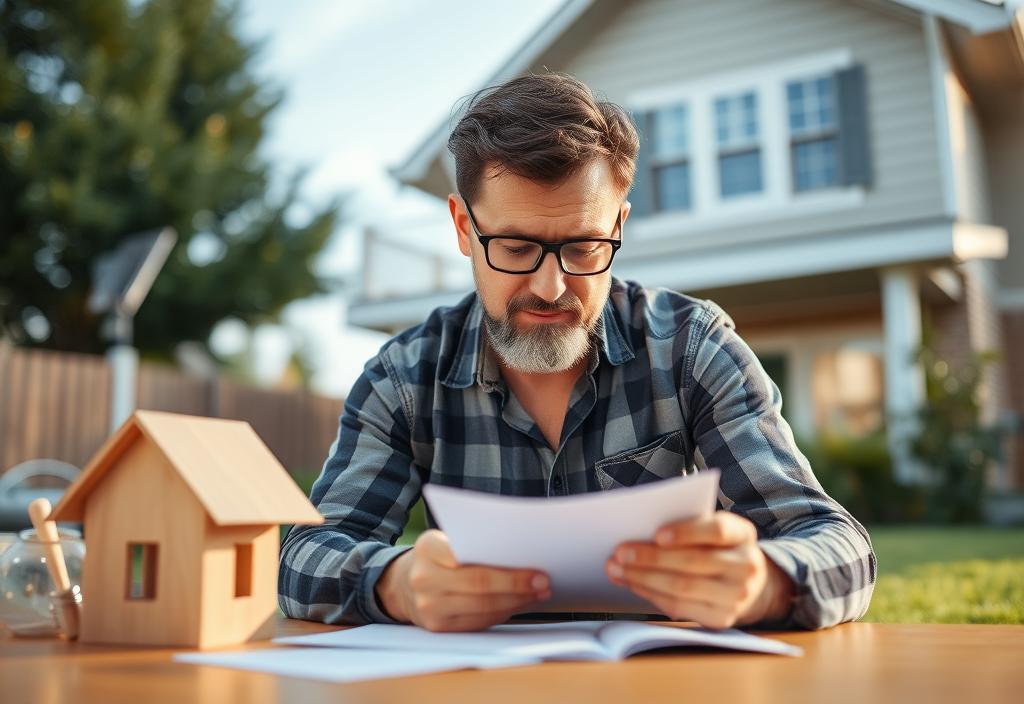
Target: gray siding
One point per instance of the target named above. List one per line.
(1005, 142)
(655, 42)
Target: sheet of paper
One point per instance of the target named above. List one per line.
(551, 641)
(350, 665)
(569, 537)
(570, 640)
(625, 638)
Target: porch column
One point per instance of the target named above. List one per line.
(904, 378)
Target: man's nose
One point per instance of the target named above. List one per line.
(548, 282)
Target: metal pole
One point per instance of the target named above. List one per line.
(124, 366)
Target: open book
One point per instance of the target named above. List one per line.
(577, 640)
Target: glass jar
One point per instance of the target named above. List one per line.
(26, 588)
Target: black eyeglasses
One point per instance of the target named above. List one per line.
(579, 256)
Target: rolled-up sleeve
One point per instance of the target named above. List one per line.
(368, 484)
(736, 415)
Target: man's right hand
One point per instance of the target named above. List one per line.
(427, 587)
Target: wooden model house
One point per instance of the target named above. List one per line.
(181, 519)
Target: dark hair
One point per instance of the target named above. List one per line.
(543, 128)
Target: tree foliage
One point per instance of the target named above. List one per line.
(118, 116)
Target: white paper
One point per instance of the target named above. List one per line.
(551, 641)
(570, 640)
(350, 665)
(624, 638)
(570, 538)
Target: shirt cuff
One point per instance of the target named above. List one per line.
(796, 570)
(372, 610)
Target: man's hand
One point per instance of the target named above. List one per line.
(426, 586)
(709, 570)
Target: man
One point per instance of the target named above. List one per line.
(554, 378)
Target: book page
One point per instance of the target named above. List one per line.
(570, 537)
(622, 639)
(549, 641)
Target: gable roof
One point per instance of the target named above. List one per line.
(978, 16)
(235, 477)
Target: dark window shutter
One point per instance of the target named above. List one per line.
(854, 137)
(641, 197)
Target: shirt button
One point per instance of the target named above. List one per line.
(558, 481)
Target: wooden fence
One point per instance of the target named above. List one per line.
(57, 405)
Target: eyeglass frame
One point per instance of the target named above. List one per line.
(553, 247)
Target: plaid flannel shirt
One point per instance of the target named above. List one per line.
(670, 388)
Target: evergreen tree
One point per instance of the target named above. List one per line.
(118, 116)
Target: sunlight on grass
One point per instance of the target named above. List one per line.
(976, 591)
(970, 574)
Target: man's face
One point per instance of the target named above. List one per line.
(541, 322)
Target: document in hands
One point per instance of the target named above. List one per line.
(570, 538)
(574, 640)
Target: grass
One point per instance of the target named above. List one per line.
(948, 575)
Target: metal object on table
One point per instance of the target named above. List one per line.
(17, 492)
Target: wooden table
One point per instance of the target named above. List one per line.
(859, 662)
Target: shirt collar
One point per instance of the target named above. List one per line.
(475, 362)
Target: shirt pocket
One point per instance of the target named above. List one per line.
(662, 459)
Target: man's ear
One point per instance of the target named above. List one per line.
(625, 212)
(461, 220)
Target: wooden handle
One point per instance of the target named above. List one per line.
(39, 511)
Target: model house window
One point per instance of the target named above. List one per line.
(243, 569)
(814, 132)
(670, 157)
(140, 578)
(739, 151)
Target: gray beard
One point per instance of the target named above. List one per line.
(543, 348)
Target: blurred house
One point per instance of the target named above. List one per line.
(838, 174)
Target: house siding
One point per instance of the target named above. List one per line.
(1005, 141)
(662, 42)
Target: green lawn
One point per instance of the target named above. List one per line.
(948, 575)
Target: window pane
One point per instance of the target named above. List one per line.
(673, 187)
(736, 120)
(815, 164)
(740, 173)
(812, 105)
(672, 132)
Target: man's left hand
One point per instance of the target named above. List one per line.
(709, 570)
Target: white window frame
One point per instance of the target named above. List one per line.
(798, 138)
(778, 198)
(678, 158)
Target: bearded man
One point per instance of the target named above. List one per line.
(555, 378)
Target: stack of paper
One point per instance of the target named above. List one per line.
(379, 650)
(576, 640)
(350, 664)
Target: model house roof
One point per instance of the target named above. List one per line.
(227, 467)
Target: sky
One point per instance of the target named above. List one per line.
(364, 83)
